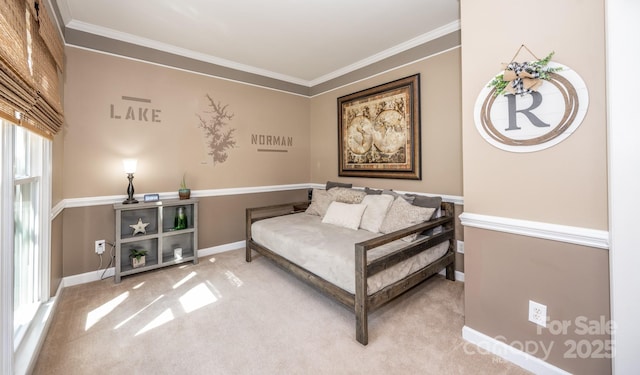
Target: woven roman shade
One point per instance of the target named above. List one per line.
(31, 62)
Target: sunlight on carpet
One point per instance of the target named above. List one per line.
(163, 318)
(138, 312)
(233, 279)
(97, 314)
(197, 297)
(184, 280)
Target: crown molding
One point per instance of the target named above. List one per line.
(164, 47)
(168, 48)
(402, 47)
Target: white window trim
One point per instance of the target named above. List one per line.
(6, 257)
(22, 360)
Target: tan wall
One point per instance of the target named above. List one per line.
(440, 125)
(221, 220)
(565, 184)
(95, 143)
(504, 271)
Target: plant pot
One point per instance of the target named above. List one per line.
(184, 193)
(137, 263)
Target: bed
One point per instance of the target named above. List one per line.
(359, 268)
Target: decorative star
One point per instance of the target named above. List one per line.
(139, 227)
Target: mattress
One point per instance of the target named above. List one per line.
(328, 250)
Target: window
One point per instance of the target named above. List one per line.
(24, 256)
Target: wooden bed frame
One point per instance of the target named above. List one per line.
(361, 303)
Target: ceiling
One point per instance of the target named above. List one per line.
(305, 42)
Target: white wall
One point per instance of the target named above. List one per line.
(624, 181)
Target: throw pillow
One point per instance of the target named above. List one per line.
(377, 207)
(406, 197)
(372, 191)
(320, 201)
(426, 201)
(345, 195)
(332, 184)
(344, 215)
(403, 214)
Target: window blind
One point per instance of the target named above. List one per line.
(31, 62)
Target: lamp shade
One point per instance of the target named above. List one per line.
(130, 165)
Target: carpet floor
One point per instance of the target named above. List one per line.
(226, 316)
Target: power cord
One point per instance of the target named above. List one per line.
(112, 257)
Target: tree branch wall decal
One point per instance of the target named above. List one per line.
(214, 121)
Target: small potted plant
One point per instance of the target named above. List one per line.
(184, 192)
(137, 257)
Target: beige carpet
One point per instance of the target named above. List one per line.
(226, 316)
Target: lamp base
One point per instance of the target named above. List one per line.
(130, 191)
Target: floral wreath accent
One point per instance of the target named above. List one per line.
(520, 79)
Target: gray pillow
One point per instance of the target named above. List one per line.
(332, 184)
(425, 201)
(372, 191)
(406, 197)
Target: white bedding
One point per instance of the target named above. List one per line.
(328, 250)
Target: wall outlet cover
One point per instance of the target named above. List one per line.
(538, 313)
(460, 247)
(100, 246)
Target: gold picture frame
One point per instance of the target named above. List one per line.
(379, 131)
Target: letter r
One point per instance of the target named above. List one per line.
(537, 100)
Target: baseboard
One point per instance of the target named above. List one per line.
(508, 352)
(87, 277)
(459, 276)
(221, 248)
(91, 276)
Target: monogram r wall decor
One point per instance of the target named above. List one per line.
(379, 131)
(531, 106)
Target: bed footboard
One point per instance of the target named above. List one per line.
(365, 303)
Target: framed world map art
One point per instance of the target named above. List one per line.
(379, 131)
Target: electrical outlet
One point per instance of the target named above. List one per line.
(460, 247)
(100, 246)
(538, 313)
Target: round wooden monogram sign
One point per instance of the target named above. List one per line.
(532, 114)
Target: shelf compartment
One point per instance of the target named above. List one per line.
(131, 217)
(170, 220)
(183, 241)
(151, 259)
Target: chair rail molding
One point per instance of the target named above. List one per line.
(548, 231)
